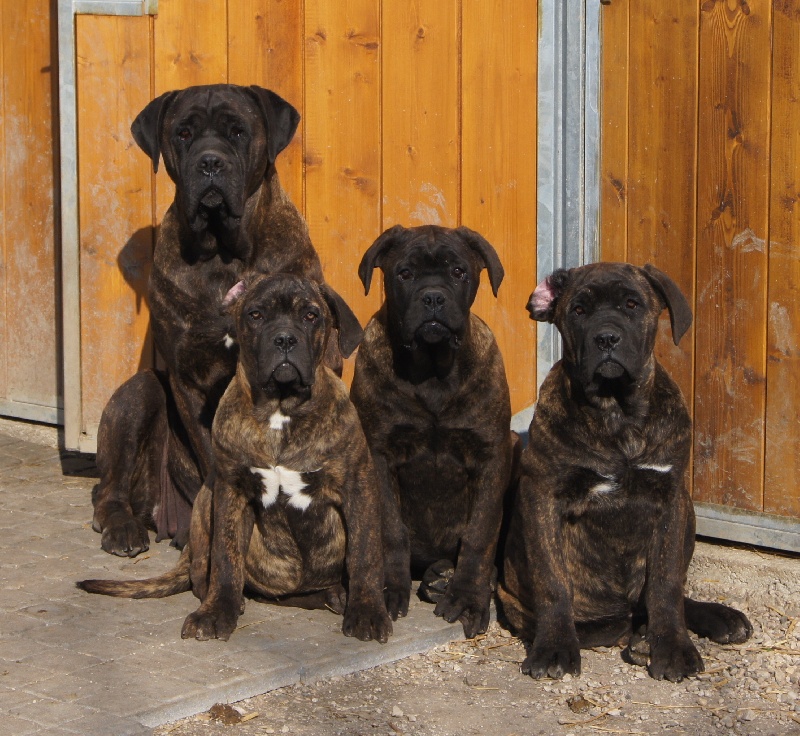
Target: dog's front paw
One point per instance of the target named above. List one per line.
(210, 624)
(124, 536)
(397, 598)
(722, 624)
(553, 660)
(367, 621)
(673, 658)
(468, 606)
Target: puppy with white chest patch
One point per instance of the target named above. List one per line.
(291, 505)
(603, 527)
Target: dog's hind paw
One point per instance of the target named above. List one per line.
(722, 624)
(435, 581)
(638, 650)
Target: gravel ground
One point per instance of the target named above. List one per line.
(475, 687)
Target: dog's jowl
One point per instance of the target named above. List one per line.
(603, 527)
(230, 216)
(290, 510)
(431, 392)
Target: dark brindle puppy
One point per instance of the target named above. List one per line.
(230, 216)
(292, 500)
(432, 395)
(603, 527)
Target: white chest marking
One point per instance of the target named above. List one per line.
(657, 468)
(283, 480)
(278, 421)
(607, 486)
(229, 341)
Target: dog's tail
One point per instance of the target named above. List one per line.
(175, 581)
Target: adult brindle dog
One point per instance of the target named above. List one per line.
(230, 216)
(292, 501)
(431, 392)
(603, 527)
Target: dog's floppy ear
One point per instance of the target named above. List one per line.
(372, 258)
(484, 249)
(350, 332)
(146, 128)
(542, 303)
(234, 294)
(280, 117)
(680, 313)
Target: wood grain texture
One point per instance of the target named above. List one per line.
(31, 349)
(499, 48)
(265, 47)
(421, 113)
(614, 131)
(190, 47)
(343, 140)
(5, 43)
(782, 471)
(662, 157)
(115, 204)
(732, 226)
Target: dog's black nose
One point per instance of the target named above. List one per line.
(433, 299)
(210, 164)
(285, 341)
(607, 341)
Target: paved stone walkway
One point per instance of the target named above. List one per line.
(72, 663)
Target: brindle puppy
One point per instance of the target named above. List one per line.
(603, 528)
(292, 502)
(230, 217)
(431, 392)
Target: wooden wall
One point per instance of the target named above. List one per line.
(30, 351)
(701, 176)
(413, 112)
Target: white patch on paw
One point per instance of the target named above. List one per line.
(657, 468)
(229, 341)
(278, 421)
(607, 486)
(283, 480)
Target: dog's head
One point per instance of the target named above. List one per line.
(430, 275)
(218, 142)
(283, 323)
(607, 314)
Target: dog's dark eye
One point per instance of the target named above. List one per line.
(579, 310)
(459, 273)
(631, 304)
(236, 132)
(311, 317)
(255, 315)
(185, 134)
(405, 274)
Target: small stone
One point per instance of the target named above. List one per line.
(396, 712)
(747, 715)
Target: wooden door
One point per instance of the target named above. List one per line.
(413, 112)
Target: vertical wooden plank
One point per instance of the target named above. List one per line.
(614, 131)
(731, 260)
(115, 203)
(499, 92)
(662, 157)
(343, 144)
(782, 473)
(5, 43)
(265, 47)
(32, 315)
(420, 112)
(190, 47)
